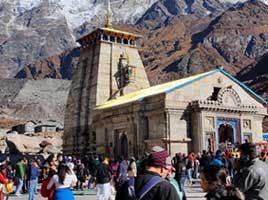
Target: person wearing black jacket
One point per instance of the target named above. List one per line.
(103, 178)
(181, 172)
(81, 173)
(156, 166)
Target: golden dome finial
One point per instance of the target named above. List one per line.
(108, 23)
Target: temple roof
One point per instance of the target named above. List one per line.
(113, 30)
(172, 86)
(110, 31)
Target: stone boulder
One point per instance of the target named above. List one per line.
(44, 143)
(15, 144)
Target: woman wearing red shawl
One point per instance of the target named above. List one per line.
(3, 182)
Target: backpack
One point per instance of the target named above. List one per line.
(44, 191)
(127, 191)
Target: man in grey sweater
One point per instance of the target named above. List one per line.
(252, 174)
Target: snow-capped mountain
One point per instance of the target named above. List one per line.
(32, 30)
(242, 1)
(79, 11)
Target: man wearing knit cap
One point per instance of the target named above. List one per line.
(151, 185)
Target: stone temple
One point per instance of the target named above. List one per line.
(113, 110)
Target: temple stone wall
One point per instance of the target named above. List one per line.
(106, 131)
(178, 147)
(178, 123)
(103, 74)
(81, 100)
(257, 128)
(141, 136)
(157, 126)
(100, 139)
(178, 131)
(108, 70)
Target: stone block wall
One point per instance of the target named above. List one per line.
(108, 70)
(178, 148)
(257, 128)
(81, 100)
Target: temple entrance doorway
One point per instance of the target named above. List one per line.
(124, 146)
(225, 136)
(120, 144)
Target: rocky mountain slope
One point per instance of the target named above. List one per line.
(234, 39)
(36, 36)
(58, 66)
(34, 99)
(33, 35)
(163, 11)
(256, 75)
(32, 30)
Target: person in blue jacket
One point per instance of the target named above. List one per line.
(33, 172)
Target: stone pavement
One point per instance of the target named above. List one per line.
(194, 192)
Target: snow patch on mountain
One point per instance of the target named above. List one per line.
(79, 11)
(24, 5)
(240, 1)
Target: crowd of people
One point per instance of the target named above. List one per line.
(234, 175)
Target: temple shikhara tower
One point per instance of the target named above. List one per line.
(112, 109)
(110, 66)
